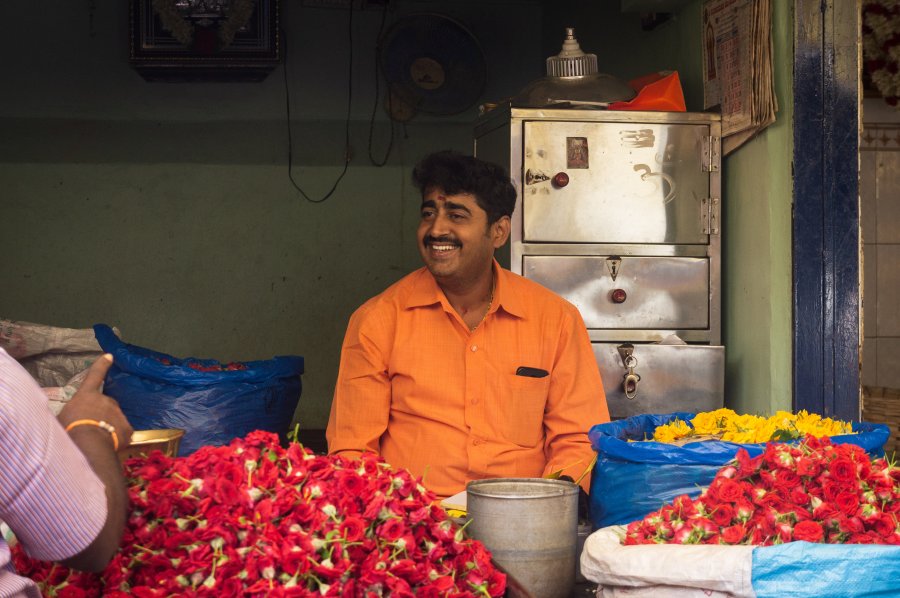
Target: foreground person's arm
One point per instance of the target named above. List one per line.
(52, 499)
(99, 444)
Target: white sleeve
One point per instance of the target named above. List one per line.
(49, 495)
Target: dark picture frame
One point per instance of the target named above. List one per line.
(204, 40)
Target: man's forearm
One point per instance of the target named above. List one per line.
(96, 445)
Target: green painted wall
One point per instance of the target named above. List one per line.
(758, 190)
(165, 208)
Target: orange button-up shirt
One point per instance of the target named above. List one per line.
(417, 387)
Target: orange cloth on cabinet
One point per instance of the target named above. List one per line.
(416, 386)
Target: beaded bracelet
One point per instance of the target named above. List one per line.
(100, 424)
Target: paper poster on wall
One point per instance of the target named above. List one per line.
(737, 67)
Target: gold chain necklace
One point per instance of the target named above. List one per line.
(486, 312)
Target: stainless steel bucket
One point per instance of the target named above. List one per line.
(530, 525)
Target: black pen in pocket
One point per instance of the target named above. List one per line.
(531, 372)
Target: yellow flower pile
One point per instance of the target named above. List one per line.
(750, 429)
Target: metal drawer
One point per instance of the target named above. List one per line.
(660, 292)
(672, 378)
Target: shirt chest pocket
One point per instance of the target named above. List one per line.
(521, 414)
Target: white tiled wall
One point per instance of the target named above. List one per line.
(879, 189)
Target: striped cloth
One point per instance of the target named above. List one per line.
(49, 496)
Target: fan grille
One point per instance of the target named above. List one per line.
(435, 61)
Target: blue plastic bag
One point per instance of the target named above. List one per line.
(156, 390)
(632, 479)
(803, 569)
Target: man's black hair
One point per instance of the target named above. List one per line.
(454, 173)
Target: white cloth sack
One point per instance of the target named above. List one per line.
(670, 570)
(57, 358)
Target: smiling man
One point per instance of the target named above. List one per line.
(463, 370)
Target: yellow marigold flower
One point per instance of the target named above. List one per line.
(804, 415)
(748, 422)
(783, 419)
(765, 430)
(711, 422)
(748, 428)
(672, 431)
(740, 437)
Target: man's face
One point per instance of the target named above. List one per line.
(455, 241)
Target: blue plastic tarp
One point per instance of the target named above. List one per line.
(803, 569)
(156, 390)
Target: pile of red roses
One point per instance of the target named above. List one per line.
(231, 366)
(256, 519)
(209, 366)
(814, 491)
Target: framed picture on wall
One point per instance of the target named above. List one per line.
(204, 40)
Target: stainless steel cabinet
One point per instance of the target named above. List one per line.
(619, 213)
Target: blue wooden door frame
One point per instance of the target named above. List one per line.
(826, 208)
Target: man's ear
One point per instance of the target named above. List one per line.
(500, 231)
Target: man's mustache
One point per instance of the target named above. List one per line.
(442, 240)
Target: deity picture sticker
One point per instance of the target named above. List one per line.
(577, 152)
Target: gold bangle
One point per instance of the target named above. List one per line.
(100, 424)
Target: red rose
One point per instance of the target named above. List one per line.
(391, 530)
(353, 528)
(798, 496)
(861, 538)
(733, 534)
(729, 490)
(497, 584)
(851, 524)
(723, 515)
(784, 531)
(406, 569)
(786, 479)
(808, 531)
(684, 536)
(398, 587)
(847, 503)
(684, 506)
(350, 483)
(743, 510)
(808, 466)
(831, 489)
(863, 467)
(823, 511)
(744, 463)
(843, 471)
(225, 491)
(885, 525)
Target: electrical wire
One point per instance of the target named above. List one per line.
(287, 100)
(390, 144)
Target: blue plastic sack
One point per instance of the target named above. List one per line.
(803, 569)
(156, 390)
(632, 479)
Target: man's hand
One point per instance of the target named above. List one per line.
(95, 443)
(90, 403)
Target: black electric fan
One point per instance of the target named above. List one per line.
(432, 64)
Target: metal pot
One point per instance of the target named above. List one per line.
(530, 526)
